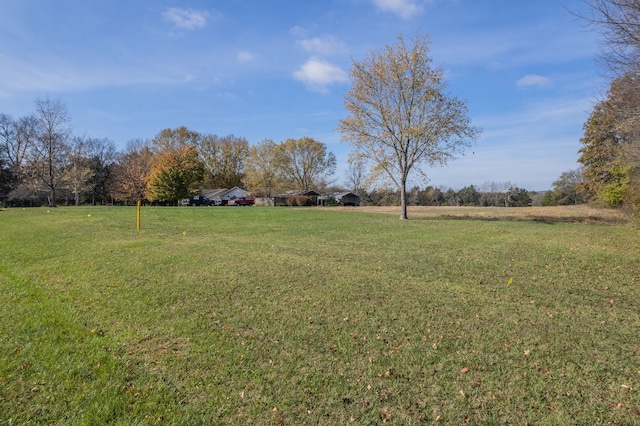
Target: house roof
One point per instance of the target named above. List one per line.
(219, 192)
(214, 193)
(300, 192)
(338, 195)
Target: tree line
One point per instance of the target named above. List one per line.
(489, 194)
(610, 146)
(43, 162)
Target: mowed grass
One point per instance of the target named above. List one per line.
(298, 316)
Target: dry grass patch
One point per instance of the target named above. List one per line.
(555, 214)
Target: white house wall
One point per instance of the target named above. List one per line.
(235, 193)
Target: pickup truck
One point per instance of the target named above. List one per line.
(242, 201)
(199, 200)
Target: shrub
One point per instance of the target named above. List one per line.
(298, 200)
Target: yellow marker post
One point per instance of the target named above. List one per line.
(138, 217)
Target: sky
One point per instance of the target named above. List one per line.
(259, 69)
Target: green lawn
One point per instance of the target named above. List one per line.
(297, 316)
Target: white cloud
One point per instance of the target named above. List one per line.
(244, 56)
(317, 74)
(327, 45)
(298, 31)
(533, 80)
(186, 19)
(406, 9)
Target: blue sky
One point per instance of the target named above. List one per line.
(279, 69)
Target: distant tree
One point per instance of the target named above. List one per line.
(128, 178)
(175, 173)
(77, 174)
(224, 159)
(451, 198)
(48, 159)
(519, 197)
(305, 163)
(177, 169)
(469, 196)
(19, 141)
(433, 196)
(175, 139)
(400, 116)
(356, 177)
(101, 155)
(384, 197)
(262, 170)
(7, 137)
(566, 189)
(493, 193)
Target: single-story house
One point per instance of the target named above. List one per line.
(223, 194)
(342, 198)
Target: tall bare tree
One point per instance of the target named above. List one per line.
(356, 177)
(101, 154)
(78, 174)
(53, 133)
(400, 115)
(17, 143)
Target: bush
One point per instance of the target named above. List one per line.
(298, 200)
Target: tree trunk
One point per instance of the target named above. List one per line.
(52, 197)
(403, 201)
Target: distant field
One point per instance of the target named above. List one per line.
(580, 213)
(211, 315)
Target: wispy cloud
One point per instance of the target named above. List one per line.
(186, 19)
(327, 45)
(317, 74)
(244, 56)
(533, 80)
(406, 9)
(63, 76)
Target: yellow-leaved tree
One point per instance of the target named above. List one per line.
(400, 116)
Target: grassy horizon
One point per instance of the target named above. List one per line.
(293, 315)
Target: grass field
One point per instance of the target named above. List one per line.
(317, 316)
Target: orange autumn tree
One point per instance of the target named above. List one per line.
(128, 182)
(175, 174)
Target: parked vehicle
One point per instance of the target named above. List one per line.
(199, 200)
(242, 201)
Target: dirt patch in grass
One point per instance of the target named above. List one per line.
(555, 214)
